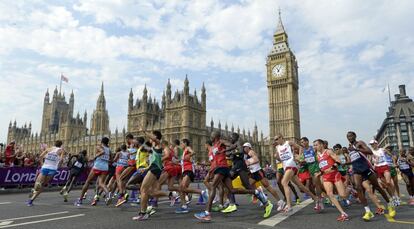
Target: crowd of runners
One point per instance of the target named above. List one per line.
(339, 176)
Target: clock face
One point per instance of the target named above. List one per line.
(278, 70)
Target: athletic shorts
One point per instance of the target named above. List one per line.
(380, 170)
(407, 172)
(190, 174)
(178, 170)
(223, 171)
(258, 175)
(171, 170)
(365, 175)
(235, 171)
(98, 172)
(74, 172)
(111, 171)
(140, 172)
(155, 170)
(313, 168)
(342, 172)
(119, 170)
(332, 177)
(48, 172)
(393, 172)
(304, 176)
(294, 169)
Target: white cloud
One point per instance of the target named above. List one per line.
(371, 54)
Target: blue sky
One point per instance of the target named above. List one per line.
(347, 53)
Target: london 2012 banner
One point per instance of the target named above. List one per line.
(27, 175)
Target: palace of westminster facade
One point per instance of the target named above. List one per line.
(179, 115)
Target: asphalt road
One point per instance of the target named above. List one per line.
(51, 212)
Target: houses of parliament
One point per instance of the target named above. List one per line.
(179, 115)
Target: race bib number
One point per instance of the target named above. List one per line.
(380, 160)
(323, 164)
(354, 156)
(78, 165)
(105, 157)
(123, 161)
(51, 157)
(285, 156)
(310, 159)
(215, 150)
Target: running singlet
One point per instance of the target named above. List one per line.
(123, 159)
(141, 159)
(389, 160)
(101, 162)
(155, 158)
(342, 166)
(219, 158)
(403, 164)
(238, 158)
(325, 161)
(186, 163)
(309, 155)
(379, 157)
(79, 163)
(211, 159)
(286, 155)
(169, 161)
(132, 156)
(52, 159)
(359, 161)
(254, 167)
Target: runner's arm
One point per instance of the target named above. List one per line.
(363, 148)
(253, 158)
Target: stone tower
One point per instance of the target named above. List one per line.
(100, 117)
(283, 85)
(56, 112)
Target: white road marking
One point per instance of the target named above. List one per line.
(276, 219)
(6, 223)
(34, 216)
(5, 203)
(42, 221)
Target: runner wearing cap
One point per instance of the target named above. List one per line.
(257, 175)
(285, 154)
(383, 170)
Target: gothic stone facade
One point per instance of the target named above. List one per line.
(180, 116)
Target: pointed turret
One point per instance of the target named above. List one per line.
(280, 28)
(10, 124)
(101, 103)
(232, 128)
(15, 123)
(130, 100)
(203, 96)
(219, 125)
(212, 123)
(280, 38)
(168, 91)
(55, 92)
(186, 86)
(71, 103)
(46, 100)
(145, 95)
(85, 118)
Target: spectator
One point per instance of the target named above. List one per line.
(29, 160)
(19, 157)
(9, 154)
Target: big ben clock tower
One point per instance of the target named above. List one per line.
(283, 85)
